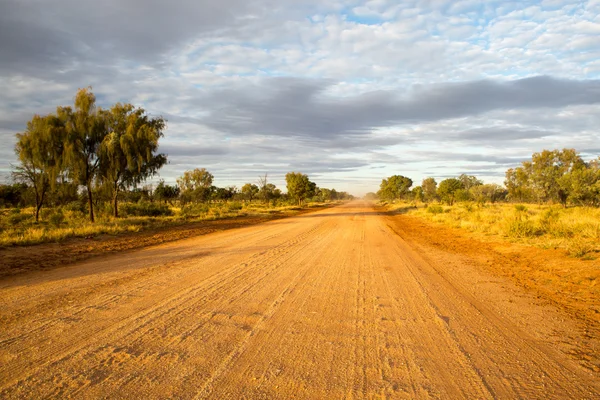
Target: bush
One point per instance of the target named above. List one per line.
(56, 218)
(18, 218)
(194, 210)
(235, 206)
(435, 209)
(521, 229)
(145, 210)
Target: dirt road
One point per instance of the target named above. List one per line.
(333, 304)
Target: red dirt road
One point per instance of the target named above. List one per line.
(332, 304)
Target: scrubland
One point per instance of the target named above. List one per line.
(575, 230)
(18, 226)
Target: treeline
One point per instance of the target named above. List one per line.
(196, 186)
(557, 176)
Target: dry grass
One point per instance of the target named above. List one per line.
(575, 229)
(18, 227)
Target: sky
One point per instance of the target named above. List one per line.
(348, 92)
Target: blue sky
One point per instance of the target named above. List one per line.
(348, 92)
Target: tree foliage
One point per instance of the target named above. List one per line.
(87, 146)
(196, 185)
(394, 187)
(448, 189)
(299, 187)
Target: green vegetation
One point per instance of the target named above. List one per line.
(88, 160)
(557, 195)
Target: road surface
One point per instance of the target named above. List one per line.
(332, 304)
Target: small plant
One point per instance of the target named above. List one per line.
(56, 218)
(521, 229)
(435, 209)
(520, 208)
(579, 248)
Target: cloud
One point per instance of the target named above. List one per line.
(330, 87)
(295, 107)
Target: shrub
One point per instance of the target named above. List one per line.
(194, 210)
(18, 218)
(235, 206)
(56, 218)
(520, 208)
(144, 209)
(435, 209)
(521, 229)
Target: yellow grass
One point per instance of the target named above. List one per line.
(575, 229)
(17, 227)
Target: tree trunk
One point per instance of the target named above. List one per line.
(115, 200)
(90, 202)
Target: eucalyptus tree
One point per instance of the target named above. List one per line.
(195, 185)
(86, 128)
(128, 152)
(40, 150)
(299, 187)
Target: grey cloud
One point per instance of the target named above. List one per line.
(496, 133)
(298, 107)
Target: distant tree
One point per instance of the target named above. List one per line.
(196, 185)
(86, 129)
(12, 195)
(448, 188)
(518, 185)
(394, 187)
(129, 150)
(164, 192)
(469, 181)
(40, 150)
(417, 193)
(299, 187)
(429, 186)
(224, 194)
(249, 191)
(547, 177)
(489, 192)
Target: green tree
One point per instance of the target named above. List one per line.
(40, 150)
(129, 150)
(249, 191)
(394, 187)
(448, 188)
(489, 192)
(417, 193)
(299, 187)
(164, 192)
(86, 128)
(429, 186)
(469, 181)
(196, 185)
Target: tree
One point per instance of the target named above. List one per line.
(164, 192)
(417, 193)
(12, 195)
(469, 181)
(394, 187)
(128, 152)
(40, 150)
(448, 188)
(299, 187)
(249, 191)
(196, 185)
(489, 192)
(429, 186)
(518, 185)
(85, 131)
